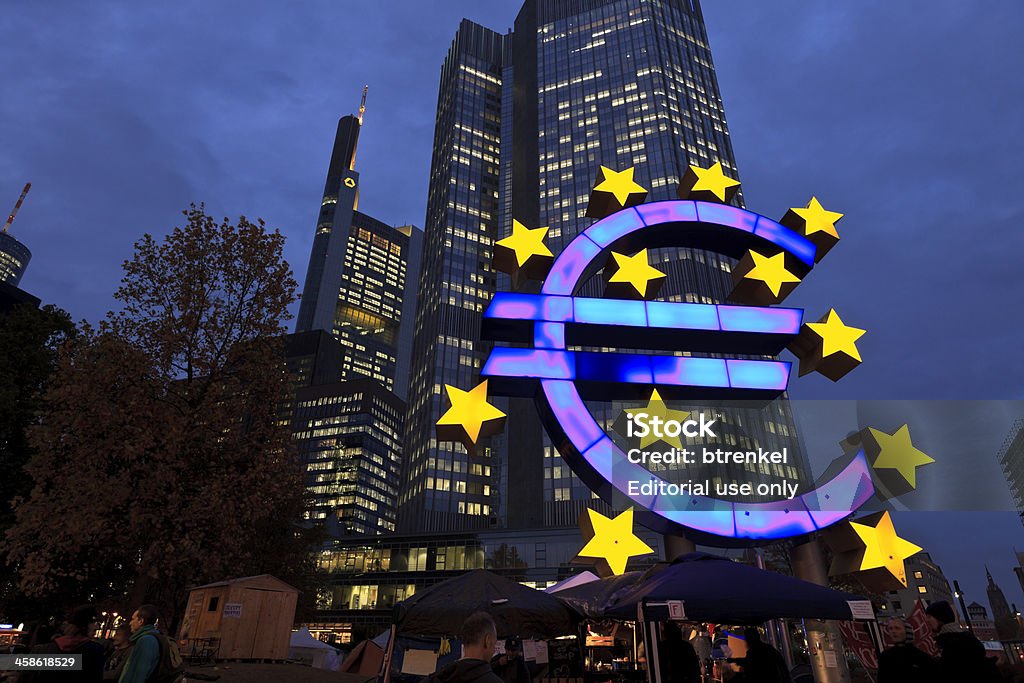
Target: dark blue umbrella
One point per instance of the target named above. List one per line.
(718, 590)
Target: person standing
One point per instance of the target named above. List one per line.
(479, 636)
(677, 659)
(511, 667)
(962, 656)
(75, 637)
(903, 662)
(763, 663)
(118, 655)
(145, 644)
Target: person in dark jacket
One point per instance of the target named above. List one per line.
(763, 663)
(903, 662)
(677, 659)
(511, 667)
(118, 655)
(479, 636)
(75, 637)
(962, 656)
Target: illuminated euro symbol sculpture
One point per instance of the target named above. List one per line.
(772, 259)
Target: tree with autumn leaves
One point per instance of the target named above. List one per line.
(159, 459)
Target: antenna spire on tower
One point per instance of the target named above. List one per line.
(362, 104)
(28, 186)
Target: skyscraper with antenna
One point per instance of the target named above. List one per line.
(14, 256)
(363, 272)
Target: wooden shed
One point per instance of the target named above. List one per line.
(246, 618)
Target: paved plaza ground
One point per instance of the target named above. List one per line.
(273, 673)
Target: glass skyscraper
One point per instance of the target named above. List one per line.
(362, 275)
(524, 122)
(14, 258)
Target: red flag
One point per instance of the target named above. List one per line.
(859, 640)
(923, 639)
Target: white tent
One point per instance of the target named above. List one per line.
(574, 580)
(318, 654)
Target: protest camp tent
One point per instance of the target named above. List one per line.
(365, 659)
(517, 610)
(316, 653)
(572, 581)
(718, 590)
(591, 599)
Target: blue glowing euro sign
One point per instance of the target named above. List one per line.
(553, 320)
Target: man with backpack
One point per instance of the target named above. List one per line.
(154, 658)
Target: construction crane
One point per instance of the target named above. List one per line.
(28, 186)
(362, 104)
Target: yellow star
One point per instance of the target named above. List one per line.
(611, 540)
(709, 184)
(656, 408)
(816, 218)
(523, 246)
(827, 346)
(620, 184)
(883, 549)
(771, 270)
(615, 190)
(898, 453)
(470, 416)
(816, 223)
(836, 337)
(637, 273)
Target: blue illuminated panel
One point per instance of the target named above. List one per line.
(573, 417)
(549, 336)
(775, 519)
(530, 363)
(795, 244)
(675, 211)
(679, 316)
(619, 224)
(514, 306)
(693, 372)
(614, 367)
(729, 216)
(757, 319)
(570, 265)
(652, 314)
(758, 374)
(626, 368)
(611, 312)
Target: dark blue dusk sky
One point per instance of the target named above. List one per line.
(906, 116)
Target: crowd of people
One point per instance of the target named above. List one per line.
(137, 652)
(962, 656)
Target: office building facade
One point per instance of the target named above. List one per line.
(1011, 458)
(348, 437)
(362, 276)
(925, 582)
(524, 121)
(14, 258)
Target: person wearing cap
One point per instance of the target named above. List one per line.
(75, 637)
(903, 662)
(962, 656)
